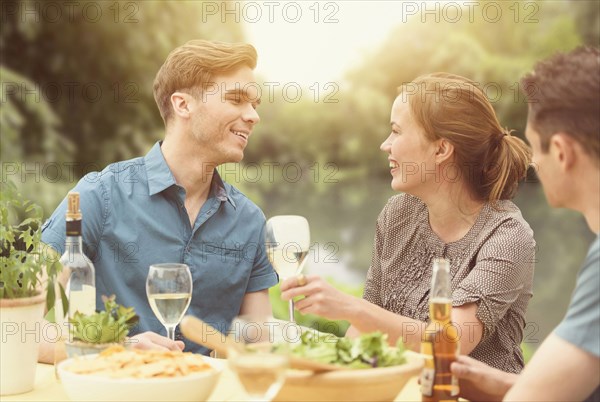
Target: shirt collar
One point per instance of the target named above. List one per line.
(158, 172)
(160, 177)
(219, 190)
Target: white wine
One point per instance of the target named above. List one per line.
(287, 264)
(170, 307)
(262, 375)
(83, 301)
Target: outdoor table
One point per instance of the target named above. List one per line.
(48, 388)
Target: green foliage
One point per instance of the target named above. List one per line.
(101, 71)
(31, 138)
(24, 110)
(26, 266)
(108, 326)
(587, 21)
(77, 92)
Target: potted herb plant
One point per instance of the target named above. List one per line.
(28, 271)
(96, 332)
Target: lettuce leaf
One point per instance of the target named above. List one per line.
(367, 350)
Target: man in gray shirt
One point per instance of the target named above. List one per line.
(563, 128)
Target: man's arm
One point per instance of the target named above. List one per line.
(558, 371)
(256, 303)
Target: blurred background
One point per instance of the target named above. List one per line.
(77, 78)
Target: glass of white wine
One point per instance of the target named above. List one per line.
(287, 243)
(169, 291)
(259, 368)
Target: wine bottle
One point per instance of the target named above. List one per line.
(81, 287)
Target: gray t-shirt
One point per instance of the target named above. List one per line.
(581, 325)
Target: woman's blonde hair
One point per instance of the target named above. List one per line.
(488, 157)
(189, 68)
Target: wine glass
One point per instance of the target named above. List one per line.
(287, 242)
(169, 291)
(259, 367)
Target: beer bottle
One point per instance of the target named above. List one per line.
(439, 343)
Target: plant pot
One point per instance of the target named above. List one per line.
(79, 348)
(21, 321)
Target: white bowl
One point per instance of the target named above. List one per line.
(195, 387)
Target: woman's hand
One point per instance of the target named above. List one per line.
(320, 297)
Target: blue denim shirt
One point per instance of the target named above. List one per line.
(134, 216)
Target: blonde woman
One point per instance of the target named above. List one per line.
(457, 169)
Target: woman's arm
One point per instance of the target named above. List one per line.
(324, 300)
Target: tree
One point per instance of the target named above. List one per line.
(93, 64)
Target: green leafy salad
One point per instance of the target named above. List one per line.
(365, 351)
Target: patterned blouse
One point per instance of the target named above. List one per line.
(492, 265)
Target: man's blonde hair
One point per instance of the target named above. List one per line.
(189, 68)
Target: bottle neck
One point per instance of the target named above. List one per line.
(440, 281)
(440, 298)
(74, 241)
(440, 310)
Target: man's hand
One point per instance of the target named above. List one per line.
(151, 340)
(480, 382)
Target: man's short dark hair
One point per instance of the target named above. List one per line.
(564, 96)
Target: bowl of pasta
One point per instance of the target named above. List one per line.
(119, 374)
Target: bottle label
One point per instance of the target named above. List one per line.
(427, 379)
(428, 372)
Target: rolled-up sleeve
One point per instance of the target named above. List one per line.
(503, 269)
(263, 275)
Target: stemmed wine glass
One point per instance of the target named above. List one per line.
(169, 291)
(287, 244)
(259, 367)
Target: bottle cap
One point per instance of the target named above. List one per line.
(73, 212)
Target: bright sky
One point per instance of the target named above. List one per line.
(306, 51)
